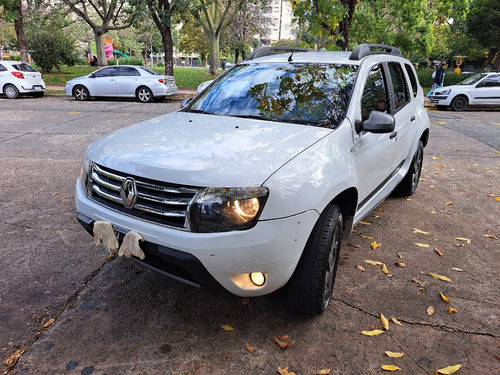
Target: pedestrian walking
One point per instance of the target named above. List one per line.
(438, 79)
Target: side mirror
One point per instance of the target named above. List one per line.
(92, 75)
(377, 122)
(186, 102)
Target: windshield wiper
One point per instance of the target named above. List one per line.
(255, 117)
(200, 111)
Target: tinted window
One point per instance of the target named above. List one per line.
(150, 71)
(106, 72)
(374, 94)
(24, 68)
(413, 79)
(310, 94)
(128, 71)
(491, 81)
(399, 85)
(2, 68)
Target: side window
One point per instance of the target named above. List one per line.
(2, 68)
(106, 72)
(128, 71)
(375, 93)
(413, 79)
(492, 81)
(399, 85)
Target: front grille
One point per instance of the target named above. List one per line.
(155, 201)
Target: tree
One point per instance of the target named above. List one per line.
(192, 39)
(51, 47)
(7, 36)
(12, 10)
(483, 23)
(102, 16)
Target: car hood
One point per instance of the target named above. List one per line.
(204, 150)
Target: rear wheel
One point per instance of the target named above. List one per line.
(311, 287)
(144, 95)
(11, 91)
(81, 93)
(409, 183)
(459, 103)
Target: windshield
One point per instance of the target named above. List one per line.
(312, 94)
(25, 68)
(472, 80)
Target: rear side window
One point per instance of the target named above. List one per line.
(128, 71)
(375, 93)
(399, 85)
(413, 79)
(2, 68)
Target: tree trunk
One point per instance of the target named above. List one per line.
(496, 62)
(168, 47)
(99, 45)
(214, 55)
(21, 36)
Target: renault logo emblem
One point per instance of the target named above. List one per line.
(128, 192)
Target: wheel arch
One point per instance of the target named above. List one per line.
(425, 137)
(347, 201)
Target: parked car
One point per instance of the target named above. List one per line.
(123, 81)
(480, 89)
(18, 78)
(253, 184)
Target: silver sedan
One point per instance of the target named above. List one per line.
(124, 81)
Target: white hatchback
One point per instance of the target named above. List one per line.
(18, 78)
(480, 89)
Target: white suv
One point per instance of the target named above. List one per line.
(17, 78)
(251, 186)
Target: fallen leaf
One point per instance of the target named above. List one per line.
(395, 321)
(438, 157)
(439, 277)
(377, 216)
(49, 323)
(430, 310)
(449, 370)
(394, 354)
(283, 344)
(365, 223)
(468, 240)
(373, 262)
(418, 282)
(284, 371)
(226, 357)
(422, 244)
(390, 368)
(457, 269)
(361, 268)
(227, 327)
(448, 203)
(452, 310)
(384, 321)
(375, 332)
(245, 301)
(438, 251)
(249, 347)
(445, 299)
(491, 236)
(12, 359)
(323, 372)
(366, 237)
(374, 245)
(384, 269)
(415, 230)
(400, 264)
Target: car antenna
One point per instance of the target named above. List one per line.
(290, 58)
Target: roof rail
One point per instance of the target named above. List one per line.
(364, 50)
(266, 51)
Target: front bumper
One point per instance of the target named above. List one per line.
(217, 261)
(439, 100)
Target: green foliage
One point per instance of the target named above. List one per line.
(450, 78)
(124, 61)
(483, 22)
(51, 47)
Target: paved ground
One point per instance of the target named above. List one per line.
(72, 312)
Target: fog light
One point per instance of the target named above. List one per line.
(258, 278)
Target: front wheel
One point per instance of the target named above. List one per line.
(81, 93)
(459, 103)
(409, 183)
(11, 91)
(144, 95)
(311, 287)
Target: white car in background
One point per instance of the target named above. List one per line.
(480, 89)
(18, 78)
(122, 81)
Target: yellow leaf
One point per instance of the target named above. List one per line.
(365, 223)
(468, 240)
(361, 268)
(395, 321)
(445, 299)
(430, 310)
(394, 354)
(449, 370)
(384, 321)
(438, 251)
(374, 245)
(280, 340)
(490, 236)
(373, 262)
(226, 327)
(497, 199)
(452, 310)
(415, 230)
(384, 269)
(249, 347)
(366, 237)
(323, 372)
(375, 332)
(439, 277)
(284, 371)
(49, 323)
(422, 244)
(390, 368)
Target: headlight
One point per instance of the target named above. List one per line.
(444, 92)
(84, 173)
(227, 209)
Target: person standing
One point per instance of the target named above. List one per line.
(438, 78)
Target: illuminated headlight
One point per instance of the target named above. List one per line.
(227, 209)
(84, 173)
(444, 92)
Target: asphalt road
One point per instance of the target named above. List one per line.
(70, 311)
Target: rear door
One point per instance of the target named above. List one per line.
(127, 81)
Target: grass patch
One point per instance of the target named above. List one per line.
(184, 77)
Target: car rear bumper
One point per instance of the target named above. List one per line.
(25, 89)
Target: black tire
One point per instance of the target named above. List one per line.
(144, 95)
(409, 183)
(11, 91)
(311, 286)
(459, 103)
(81, 93)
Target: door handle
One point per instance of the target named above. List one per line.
(393, 135)
(412, 118)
